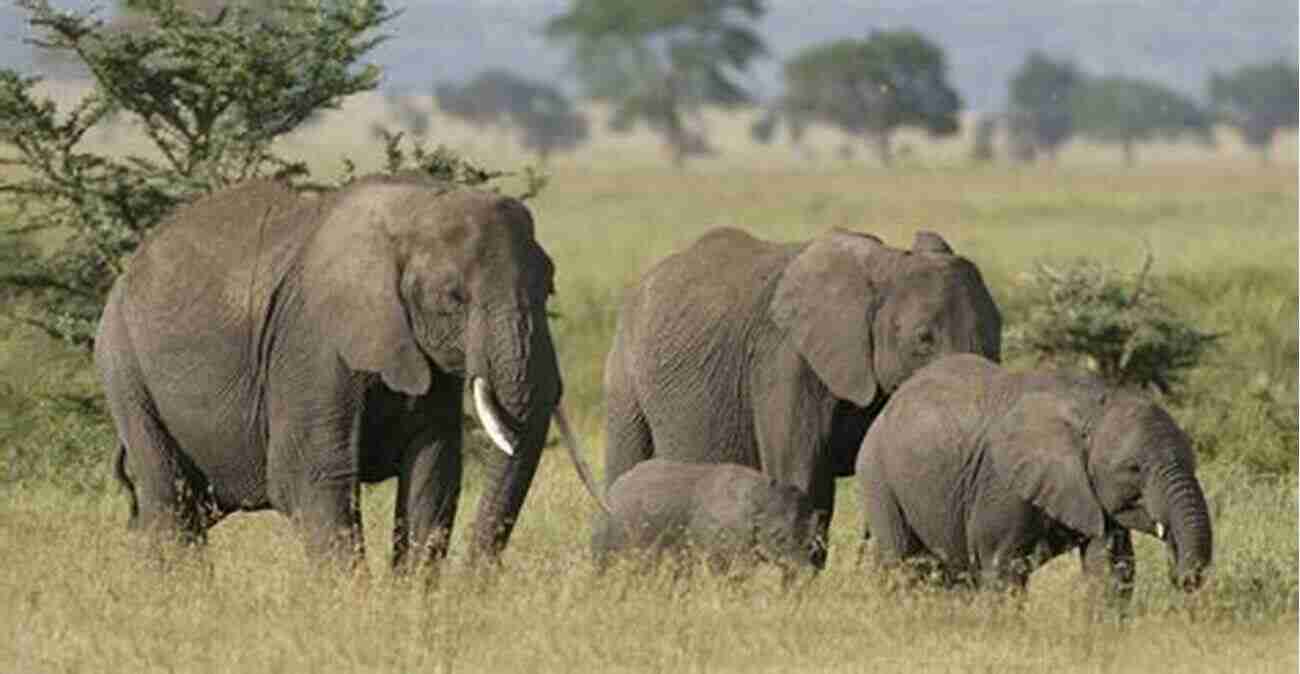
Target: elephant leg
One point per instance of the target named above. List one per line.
(428, 490)
(627, 433)
(822, 495)
(1109, 560)
(792, 419)
(897, 546)
(328, 512)
(1007, 561)
(313, 466)
(170, 497)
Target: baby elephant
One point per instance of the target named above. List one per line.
(724, 512)
(988, 474)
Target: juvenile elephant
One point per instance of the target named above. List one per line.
(724, 512)
(266, 350)
(991, 473)
(777, 356)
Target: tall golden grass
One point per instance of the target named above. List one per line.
(78, 596)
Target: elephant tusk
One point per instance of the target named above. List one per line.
(488, 417)
(1160, 530)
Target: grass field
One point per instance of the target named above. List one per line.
(1223, 231)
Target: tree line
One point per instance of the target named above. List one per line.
(661, 64)
(1052, 100)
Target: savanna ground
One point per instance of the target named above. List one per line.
(1223, 229)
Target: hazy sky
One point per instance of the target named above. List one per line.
(1177, 42)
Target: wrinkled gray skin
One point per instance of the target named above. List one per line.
(778, 356)
(267, 350)
(723, 512)
(991, 473)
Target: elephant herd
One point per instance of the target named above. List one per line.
(270, 350)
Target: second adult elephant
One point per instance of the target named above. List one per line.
(777, 356)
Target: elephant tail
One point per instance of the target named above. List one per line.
(579, 463)
(119, 473)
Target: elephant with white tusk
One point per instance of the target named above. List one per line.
(266, 350)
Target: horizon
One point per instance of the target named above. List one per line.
(1179, 44)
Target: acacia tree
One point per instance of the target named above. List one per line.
(1128, 111)
(210, 92)
(1258, 100)
(871, 88)
(546, 119)
(661, 62)
(1087, 314)
(1039, 94)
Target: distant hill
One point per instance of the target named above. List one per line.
(1178, 42)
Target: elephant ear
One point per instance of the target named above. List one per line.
(825, 302)
(355, 275)
(926, 241)
(1041, 453)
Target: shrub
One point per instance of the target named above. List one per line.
(1254, 425)
(1115, 324)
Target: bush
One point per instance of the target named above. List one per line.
(1115, 324)
(1255, 425)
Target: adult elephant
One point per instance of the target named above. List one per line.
(778, 356)
(990, 473)
(267, 350)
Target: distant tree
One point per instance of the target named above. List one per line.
(411, 116)
(1258, 100)
(661, 62)
(1039, 94)
(1021, 144)
(1129, 111)
(763, 129)
(872, 87)
(982, 147)
(485, 100)
(546, 119)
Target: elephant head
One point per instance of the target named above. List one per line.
(1144, 471)
(1126, 462)
(452, 280)
(865, 316)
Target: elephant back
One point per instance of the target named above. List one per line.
(713, 276)
(223, 252)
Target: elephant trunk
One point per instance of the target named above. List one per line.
(516, 386)
(1185, 527)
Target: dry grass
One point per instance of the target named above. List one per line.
(79, 597)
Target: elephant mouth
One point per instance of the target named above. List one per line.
(495, 422)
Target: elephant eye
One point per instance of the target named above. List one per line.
(456, 294)
(924, 341)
